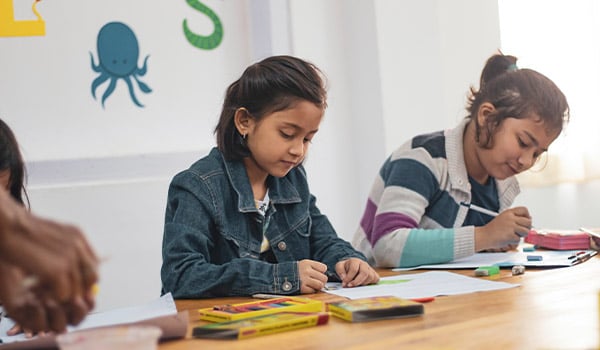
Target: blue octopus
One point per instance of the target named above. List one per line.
(118, 53)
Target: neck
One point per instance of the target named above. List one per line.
(472, 155)
(257, 178)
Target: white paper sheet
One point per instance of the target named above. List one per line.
(420, 285)
(550, 258)
(163, 306)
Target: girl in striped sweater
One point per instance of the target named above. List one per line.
(421, 207)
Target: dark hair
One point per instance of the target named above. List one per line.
(12, 161)
(271, 85)
(516, 93)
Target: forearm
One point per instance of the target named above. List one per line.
(239, 277)
(413, 247)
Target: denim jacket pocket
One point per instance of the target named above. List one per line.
(294, 244)
(303, 228)
(239, 249)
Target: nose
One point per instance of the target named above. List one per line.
(527, 159)
(297, 148)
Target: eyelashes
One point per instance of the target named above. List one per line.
(290, 137)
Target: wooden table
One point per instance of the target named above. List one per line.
(551, 309)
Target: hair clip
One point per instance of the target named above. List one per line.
(512, 67)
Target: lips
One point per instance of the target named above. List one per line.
(512, 169)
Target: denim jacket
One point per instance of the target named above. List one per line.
(213, 232)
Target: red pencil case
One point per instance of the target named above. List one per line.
(559, 239)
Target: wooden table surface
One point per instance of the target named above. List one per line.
(551, 309)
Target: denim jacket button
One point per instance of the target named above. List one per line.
(282, 246)
(286, 286)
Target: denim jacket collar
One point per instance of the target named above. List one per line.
(281, 190)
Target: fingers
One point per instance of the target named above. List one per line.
(312, 276)
(35, 317)
(511, 247)
(57, 318)
(352, 276)
(522, 221)
(356, 272)
(17, 329)
(33, 307)
(520, 211)
(14, 330)
(30, 314)
(67, 281)
(76, 310)
(60, 257)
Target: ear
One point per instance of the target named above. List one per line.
(485, 109)
(243, 121)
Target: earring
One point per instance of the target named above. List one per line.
(244, 136)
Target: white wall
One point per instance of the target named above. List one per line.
(430, 53)
(566, 206)
(395, 68)
(45, 90)
(108, 169)
(341, 38)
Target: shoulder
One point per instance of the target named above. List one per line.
(433, 143)
(209, 166)
(420, 160)
(426, 149)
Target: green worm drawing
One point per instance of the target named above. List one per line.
(200, 41)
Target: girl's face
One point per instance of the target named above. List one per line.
(5, 179)
(517, 144)
(279, 141)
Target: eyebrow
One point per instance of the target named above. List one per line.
(534, 140)
(297, 127)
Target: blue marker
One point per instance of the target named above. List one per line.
(534, 258)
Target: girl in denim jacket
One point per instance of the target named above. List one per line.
(242, 219)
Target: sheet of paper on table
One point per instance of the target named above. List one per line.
(549, 258)
(161, 312)
(420, 285)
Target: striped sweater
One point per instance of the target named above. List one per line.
(413, 214)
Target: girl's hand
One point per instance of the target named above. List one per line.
(503, 249)
(355, 272)
(312, 276)
(504, 231)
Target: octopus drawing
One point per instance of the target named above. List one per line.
(118, 54)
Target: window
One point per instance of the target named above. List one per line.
(561, 39)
